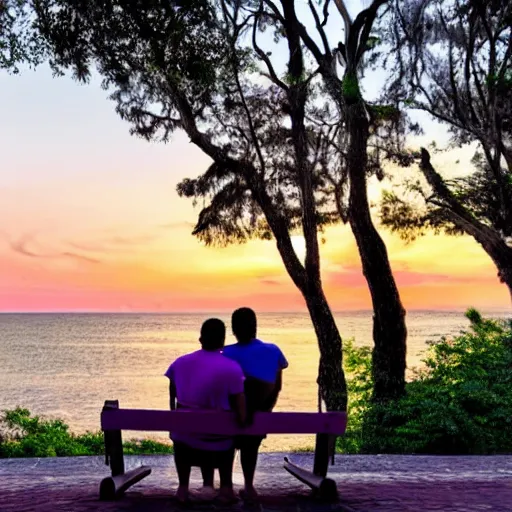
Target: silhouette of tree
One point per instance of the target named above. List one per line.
(453, 60)
(341, 67)
(195, 66)
(19, 42)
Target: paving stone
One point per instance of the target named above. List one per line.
(366, 484)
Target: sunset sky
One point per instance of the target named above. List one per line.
(90, 220)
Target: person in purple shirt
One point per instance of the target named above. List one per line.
(206, 380)
(262, 364)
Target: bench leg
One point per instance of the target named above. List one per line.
(114, 451)
(113, 487)
(321, 462)
(324, 488)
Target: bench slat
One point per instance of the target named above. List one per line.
(223, 423)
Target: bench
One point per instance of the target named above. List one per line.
(327, 426)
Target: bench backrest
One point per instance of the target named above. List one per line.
(223, 423)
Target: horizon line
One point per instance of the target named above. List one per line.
(212, 311)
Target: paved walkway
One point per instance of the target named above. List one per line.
(366, 483)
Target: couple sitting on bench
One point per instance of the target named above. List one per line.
(245, 378)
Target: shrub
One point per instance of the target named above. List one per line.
(358, 368)
(24, 435)
(460, 403)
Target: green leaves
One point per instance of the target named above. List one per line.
(350, 87)
(460, 404)
(24, 435)
(20, 42)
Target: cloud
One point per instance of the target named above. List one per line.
(21, 246)
(269, 282)
(119, 242)
(92, 247)
(352, 277)
(81, 257)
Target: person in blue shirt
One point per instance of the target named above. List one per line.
(262, 364)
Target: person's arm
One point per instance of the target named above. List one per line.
(278, 386)
(238, 406)
(172, 387)
(172, 395)
(236, 392)
(277, 389)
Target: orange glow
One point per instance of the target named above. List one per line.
(91, 221)
(170, 271)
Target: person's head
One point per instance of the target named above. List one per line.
(213, 334)
(244, 325)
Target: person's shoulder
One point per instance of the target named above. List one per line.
(277, 355)
(271, 346)
(229, 349)
(187, 357)
(230, 365)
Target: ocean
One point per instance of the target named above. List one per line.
(67, 365)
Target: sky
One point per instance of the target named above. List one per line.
(90, 221)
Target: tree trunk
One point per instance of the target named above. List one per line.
(488, 237)
(389, 329)
(331, 378)
(499, 252)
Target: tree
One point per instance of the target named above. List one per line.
(358, 120)
(467, 86)
(187, 65)
(19, 43)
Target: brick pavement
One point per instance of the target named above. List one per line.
(384, 483)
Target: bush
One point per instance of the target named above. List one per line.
(24, 435)
(460, 403)
(358, 368)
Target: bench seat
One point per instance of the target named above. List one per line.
(223, 423)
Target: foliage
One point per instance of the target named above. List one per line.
(189, 66)
(198, 67)
(357, 363)
(414, 212)
(453, 60)
(460, 403)
(19, 41)
(415, 217)
(24, 435)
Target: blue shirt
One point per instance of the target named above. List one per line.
(258, 359)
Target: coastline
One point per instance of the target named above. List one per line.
(93, 357)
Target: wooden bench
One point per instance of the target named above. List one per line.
(327, 426)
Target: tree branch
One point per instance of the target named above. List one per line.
(235, 69)
(347, 19)
(369, 18)
(263, 56)
(320, 29)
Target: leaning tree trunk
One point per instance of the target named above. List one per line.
(497, 249)
(503, 260)
(389, 329)
(488, 237)
(331, 378)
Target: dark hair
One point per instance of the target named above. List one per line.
(213, 334)
(244, 324)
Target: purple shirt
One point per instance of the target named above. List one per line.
(205, 380)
